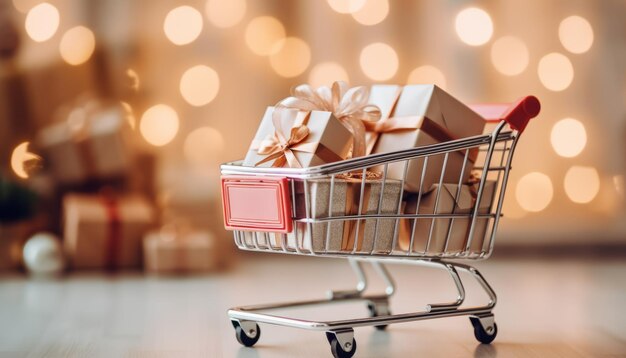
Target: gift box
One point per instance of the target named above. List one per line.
(374, 235)
(103, 231)
(419, 115)
(298, 139)
(167, 252)
(457, 229)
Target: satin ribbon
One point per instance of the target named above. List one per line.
(114, 231)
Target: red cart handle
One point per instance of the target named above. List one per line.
(516, 114)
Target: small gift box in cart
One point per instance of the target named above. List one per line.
(363, 210)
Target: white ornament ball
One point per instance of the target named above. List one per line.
(43, 255)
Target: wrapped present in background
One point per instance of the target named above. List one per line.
(104, 231)
(450, 199)
(179, 250)
(419, 115)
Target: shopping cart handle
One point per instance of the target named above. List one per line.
(516, 114)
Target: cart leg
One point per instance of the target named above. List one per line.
(342, 343)
(377, 308)
(459, 287)
(485, 328)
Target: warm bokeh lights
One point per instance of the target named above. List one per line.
(427, 74)
(534, 191)
(159, 124)
(509, 55)
(568, 137)
(346, 6)
(135, 82)
(379, 61)
(77, 45)
(474, 26)
(618, 182)
(555, 71)
(576, 34)
(263, 34)
(203, 146)
(20, 159)
(292, 58)
(42, 22)
(581, 184)
(372, 13)
(225, 14)
(199, 85)
(183, 25)
(325, 73)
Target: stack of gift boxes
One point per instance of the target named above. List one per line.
(326, 125)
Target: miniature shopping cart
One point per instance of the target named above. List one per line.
(271, 210)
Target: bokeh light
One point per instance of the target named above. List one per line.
(474, 26)
(427, 74)
(263, 34)
(129, 114)
(292, 58)
(225, 14)
(42, 22)
(135, 82)
(581, 184)
(183, 25)
(555, 71)
(22, 160)
(24, 6)
(618, 182)
(199, 85)
(77, 45)
(379, 61)
(203, 146)
(325, 73)
(159, 124)
(568, 137)
(534, 191)
(346, 6)
(373, 12)
(509, 55)
(576, 34)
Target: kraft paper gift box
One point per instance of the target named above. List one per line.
(346, 194)
(328, 140)
(458, 227)
(101, 231)
(420, 115)
(180, 252)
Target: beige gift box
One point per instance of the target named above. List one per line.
(419, 115)
(191, 252)
(328, 140)
(102, 232)
(458, 228)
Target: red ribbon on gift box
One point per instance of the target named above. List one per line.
(114, 230)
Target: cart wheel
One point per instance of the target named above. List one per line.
(339, 352)
(481, 334)
(374, 313)
(249, 338)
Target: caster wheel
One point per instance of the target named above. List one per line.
(249, 338)
(339, 352)
(481, 334)
(374, 313)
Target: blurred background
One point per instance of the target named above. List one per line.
(145, 99)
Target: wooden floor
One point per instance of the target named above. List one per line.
(563, 308)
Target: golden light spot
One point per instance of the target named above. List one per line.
(225, 14)
(263, 34)
(346, 6)
(379, 61)
(42, 22)
(509, 55)
(373, 12)
(568, 137)
(325, 73)
(581, 184)
(159, 124)
(135, 83)
(183, 25)
(24, 6)
(474, 26)
(129, 115)
(427, 74)
(618, 182)
(576, 34)
(292, 59)
(199, 85)
(534, 191)
(23, 161)
(555, 71)
(77, 45)
(203, 146)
